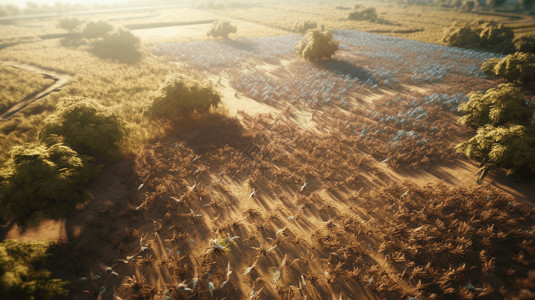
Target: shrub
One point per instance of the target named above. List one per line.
(221, 29)
(317, 45)
(180, 96)
(510, 147)
(479, 34)
(525, 44)
(19, 276)
(86, 126)
(69, 24)
(93, 30)
(514, 67)
(363, 14)
(39, 181)
(120, 45)
(304, 26)
(504, 104)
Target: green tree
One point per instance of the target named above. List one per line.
(181, 97)
(20, 277)
(317, 45)
(480, 34)
(526, 4)
(502, 105)
(362, 15)
(221, 29)
(86, 126)
(514, 67)
(468, 5)
(69, 24)
(495, 3)
(525, 44)
(93, 30)
(304, 26)
(39, 181)
(510, 147)
(120, 45)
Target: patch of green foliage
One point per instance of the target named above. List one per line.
(39, 181)
(93, 30)
(104, 40)
(366, 14)
(304, 26)
(119, 45)
(480, 35)
(70, 24)
(510, 147)
(180, 96)
(20, 277)
(221, 29)
(85, 126)
(525, 43)
(317, 45)
(505, 136)
(519, 67)
(502, 105)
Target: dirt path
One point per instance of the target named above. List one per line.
(60, 80)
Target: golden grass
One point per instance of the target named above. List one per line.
(17, 84)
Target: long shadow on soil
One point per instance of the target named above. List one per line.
(344, 68)
(243, 45)
(215, 132)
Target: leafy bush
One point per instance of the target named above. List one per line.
(510, 147)
(514, 67)
(19, 276)
(479, 34)
(363, 14)
(69, 24)
(86, 126)
(304, 26)
(39, 181)
(498, 106)
(221, 29)
(120, 45)
(317, 45)
(525, 43)
(93, 30)
(180, 96)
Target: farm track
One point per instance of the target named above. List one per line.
(60, 80)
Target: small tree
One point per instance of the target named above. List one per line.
(120, 45)
(304, 26)
(495, 3)
(480, 34)
(317, 45)
(180, 96)
(526, 4)
(93, 30)
(461, 34)
(86, 126)
(468, 5)
(20, 276)
(69, 24)
(498, 106)
(525, 44)
(39, 181)
(363, 15)
(221, 29)
(510, 147)
(514, 67)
